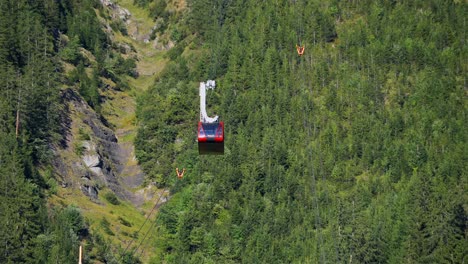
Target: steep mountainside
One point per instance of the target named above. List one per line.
(355, 152)
(73, 70)
(98, 156)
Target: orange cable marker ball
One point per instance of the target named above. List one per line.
(300, 50)
(180, 175)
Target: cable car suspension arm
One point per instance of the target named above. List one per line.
(204, 118)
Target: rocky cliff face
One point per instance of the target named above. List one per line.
(90, 157)
(95, 156)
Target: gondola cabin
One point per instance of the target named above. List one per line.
(211, 138)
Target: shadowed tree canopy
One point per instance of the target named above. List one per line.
(353, 152)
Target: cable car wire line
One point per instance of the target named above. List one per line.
(141, 227)
(151, 227)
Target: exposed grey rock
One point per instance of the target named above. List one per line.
(124, 48)
(103, 160)
(97, 171)
(124, 14)
(108, 3)
(60, 169)
(162, 45)
(119, 11)
(101, 132)
(90, 191)
(88, 146)
(92, 160)
(86, 176)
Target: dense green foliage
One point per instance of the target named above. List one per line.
(29, 91)
(32, 46)
(355, 152)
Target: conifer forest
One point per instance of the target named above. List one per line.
(352, 150)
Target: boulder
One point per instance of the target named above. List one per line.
(97, 171)
(92, 160)
(90, 191)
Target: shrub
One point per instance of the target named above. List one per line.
(124, 222)
(111, 198)
(106, 226)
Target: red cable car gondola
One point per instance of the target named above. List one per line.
(211, 138)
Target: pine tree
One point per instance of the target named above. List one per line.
(22, 207)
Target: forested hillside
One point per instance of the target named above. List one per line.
(51, 53)
(355, 152)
